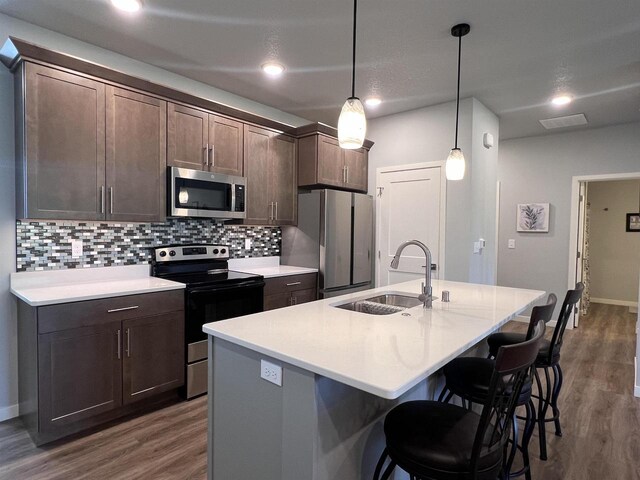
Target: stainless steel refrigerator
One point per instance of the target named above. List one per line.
(334, 235)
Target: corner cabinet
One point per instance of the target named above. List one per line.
(200, 140)
(87, 150)
(85, 363)
(271, 171)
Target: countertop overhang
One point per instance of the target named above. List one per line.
(384, 355)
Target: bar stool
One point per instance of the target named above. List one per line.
(548, 359)
(468, 378)
(439, 441)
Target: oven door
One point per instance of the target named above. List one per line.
(194, 193)
(212, 304)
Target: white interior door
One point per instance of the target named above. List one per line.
(581, 239)
(409, 206)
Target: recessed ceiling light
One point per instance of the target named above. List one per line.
(273, 69)
(561, 100)
(373, 101)
(127, 5)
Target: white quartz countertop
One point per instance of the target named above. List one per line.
(62, 286)
(268, 267)
(385, 355)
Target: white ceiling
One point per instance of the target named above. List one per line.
(518, 55)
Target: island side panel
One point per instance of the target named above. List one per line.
(258, 429)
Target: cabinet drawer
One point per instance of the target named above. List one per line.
(94, 312)
(289, 283)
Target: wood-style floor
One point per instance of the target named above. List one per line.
(600, 419)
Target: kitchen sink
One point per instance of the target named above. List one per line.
(384, 304)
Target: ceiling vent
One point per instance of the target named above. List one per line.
(562, 122)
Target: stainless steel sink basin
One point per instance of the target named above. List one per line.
(384, 304)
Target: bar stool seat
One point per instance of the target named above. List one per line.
(496, 340)
(439, 435)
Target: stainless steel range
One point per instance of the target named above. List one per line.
(213, 293)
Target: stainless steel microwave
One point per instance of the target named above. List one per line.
(194, 193)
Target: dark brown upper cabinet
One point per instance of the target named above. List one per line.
(322, 163)
(87, 150)
(270, 168)
(202, 141)
(61, 145)
(136, 156)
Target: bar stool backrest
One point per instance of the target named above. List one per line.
(570, 300)
(541, 312)
(511, 368)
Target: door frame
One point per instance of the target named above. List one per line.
(443, 210)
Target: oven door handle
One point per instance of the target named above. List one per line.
(210, 289)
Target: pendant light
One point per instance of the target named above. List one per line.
(455, 165)
(352, 123)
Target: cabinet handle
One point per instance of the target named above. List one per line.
(133, 307)
(212, 155)
(101, 198)
(118, 335)
(293, 283)
(111, 200)
(128, 342)
(347, 170)
(276, 218)
(206, 155)
(344, 174)
(271, 211)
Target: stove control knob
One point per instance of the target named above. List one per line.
(215, 251)
(172, 253)
(223, 251)
(163, 253)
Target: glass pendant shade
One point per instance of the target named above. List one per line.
(455, 165)
(352, 124)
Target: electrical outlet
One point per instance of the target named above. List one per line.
(247, 244)
(511, 243)
(76, 248)
(271, 372)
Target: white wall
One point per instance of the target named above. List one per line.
(540, 169)
(427, 135)
(614, 253)
(25, 31)
(8, 328)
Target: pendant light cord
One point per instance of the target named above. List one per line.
(353, 66)
(458, 91)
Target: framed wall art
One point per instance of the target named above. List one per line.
(532, 217)
(633, 222)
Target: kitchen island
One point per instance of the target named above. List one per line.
(341, 372)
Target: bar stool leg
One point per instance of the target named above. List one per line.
(530, 425)
(388, 470)
(557, 376)
(543, 404)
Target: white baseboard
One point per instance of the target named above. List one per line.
(8, 412)
(525, 319)
(609, 301)
(636, 389)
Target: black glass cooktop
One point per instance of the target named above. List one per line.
(213, 278)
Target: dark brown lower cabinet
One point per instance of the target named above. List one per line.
(290, 290)
(85, 363)
(154, 355)
(79, 374)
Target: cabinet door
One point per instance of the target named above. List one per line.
(330, 162)
(79, 374)
(154, 357)
(303, 296)
(136, 156)
(65, 145)
(355, 162)
(283, 179)
(256, 169)
(226, 144)
(279, 300)
(187, 137)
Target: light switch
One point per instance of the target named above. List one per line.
(511, 243)
(476, 247)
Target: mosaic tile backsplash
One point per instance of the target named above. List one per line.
(47, 245)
